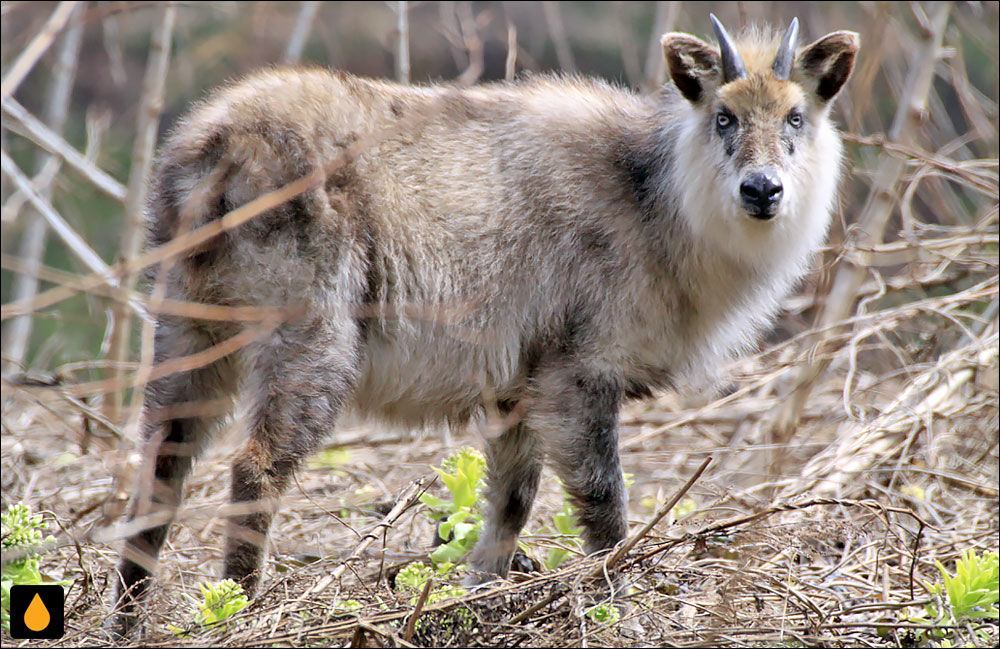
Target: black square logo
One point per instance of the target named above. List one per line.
(36, 612)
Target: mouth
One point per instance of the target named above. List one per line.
(758, 213)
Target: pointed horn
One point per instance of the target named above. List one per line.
(732, 62)
(782, 65)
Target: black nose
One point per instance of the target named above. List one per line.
(761, 191)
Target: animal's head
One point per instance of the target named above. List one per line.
(758, 134)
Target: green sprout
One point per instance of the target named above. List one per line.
(564, 524)
(604, 613)
(345, 607)
(412, 579)
(220, 601)
(683, 508)
(975, 588)
(972, 593)
(330, 458)
(22, 533)
(460, 518)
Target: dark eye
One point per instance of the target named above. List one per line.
(724, 120)
(795, 120)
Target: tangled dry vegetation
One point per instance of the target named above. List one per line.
(827, 544)
(855, 451)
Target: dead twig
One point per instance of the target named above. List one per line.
(150, 106)
(656, 66)
(664, 509)
(716, 528)
(881, 199)
(179, 245)
(611, 560)
(76, 244)
(38, 45)
(408, 498)
(411, 624)
(865, 445)
(510, 64)
(554, 21)
(54, 143)
(403, 41)
(300, 33)
(32, 246)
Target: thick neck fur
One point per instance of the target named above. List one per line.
(725, 274)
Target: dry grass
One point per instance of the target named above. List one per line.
(817, 528)
(761, 560)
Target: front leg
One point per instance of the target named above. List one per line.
(515, 466)
(576, 413)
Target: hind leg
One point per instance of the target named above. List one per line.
(298, 384)
(171, 445)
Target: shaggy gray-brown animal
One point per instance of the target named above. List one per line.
(546, 248)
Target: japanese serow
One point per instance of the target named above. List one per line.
(545, 249)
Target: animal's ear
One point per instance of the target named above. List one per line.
(694, 65)
(826, 64)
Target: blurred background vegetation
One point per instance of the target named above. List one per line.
(216, 41)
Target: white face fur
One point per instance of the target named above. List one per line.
(708, 184)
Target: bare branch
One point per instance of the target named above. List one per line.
(473, 44)
(97, 124)
(865, 446)
(664, 509)
(666, 15)
(111, 32)
(73, 241)
(300, 33)
(553, 18)
(402, 41)
(881, 200)
(630, 58)
(408, 498)
(510, 65)
(418, 608)
(54, 143)
(182, 243)
(150, 107)
(38, 45)
(18, 332)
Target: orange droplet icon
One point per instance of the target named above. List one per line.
(37, 616)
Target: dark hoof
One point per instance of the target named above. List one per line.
(123, 628)
(523, 563)
(478, 580)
